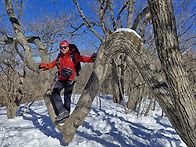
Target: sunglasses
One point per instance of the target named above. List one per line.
(63, 47)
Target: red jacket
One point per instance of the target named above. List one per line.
(65, 61)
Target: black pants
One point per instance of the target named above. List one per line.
(56, 100)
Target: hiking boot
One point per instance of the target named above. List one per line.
(62, 116)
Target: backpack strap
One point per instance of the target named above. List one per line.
(57, 60)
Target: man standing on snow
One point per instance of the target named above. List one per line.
(66, 64)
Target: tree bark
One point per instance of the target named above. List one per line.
(117, 96)
(184, 119)
(11, 106)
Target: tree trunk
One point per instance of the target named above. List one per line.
(118, 69)
(115, 83)
(149, 106)
(134, 97)
(11, 109)
(84, 104)
(184, 119)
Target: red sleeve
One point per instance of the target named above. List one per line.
(51, 64)
(83, 58)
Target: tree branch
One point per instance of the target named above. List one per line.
(143, 26)
(86, 22)
(130, 9)
(119, 14)
(102, 14)
(112, 15)
(20, 36)
(137, 20)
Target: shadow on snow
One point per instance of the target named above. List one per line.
(45, 125)
(148, 137)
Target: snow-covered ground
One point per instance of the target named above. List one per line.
(108, 127)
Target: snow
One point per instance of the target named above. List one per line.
(128, 30)
(105, 127)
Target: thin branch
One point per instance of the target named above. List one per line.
(112, 15)
(20, 8)
(130, 10)
(10, 40)
(180, 35)
(143, 26)
(102, 14)
(187, 20)
(186, 49)
(86, 21)
(119, 13)
(137, 20)
(4, 38)
(76, 28)
(186, 40)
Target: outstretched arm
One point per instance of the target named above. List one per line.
(47, 66)
(85, 58)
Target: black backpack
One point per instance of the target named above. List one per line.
(72, 55)
(77, 64)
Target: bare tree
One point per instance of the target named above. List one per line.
(49, 30)
(11, 81)
(21, 45)
(185, 22)
(182, 101)
(162, 89)
(172, 92)
(108, 23)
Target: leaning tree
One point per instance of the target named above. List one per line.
(173, 92)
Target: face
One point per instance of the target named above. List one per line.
(64, 49)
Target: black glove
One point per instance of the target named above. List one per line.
(93, 57)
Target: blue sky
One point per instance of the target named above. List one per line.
(38, 8)
(59, 7)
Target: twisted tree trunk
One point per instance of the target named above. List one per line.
(129, 43)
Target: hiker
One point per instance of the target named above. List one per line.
(68, 64)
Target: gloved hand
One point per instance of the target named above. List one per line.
(43, 66)
(93, 57)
